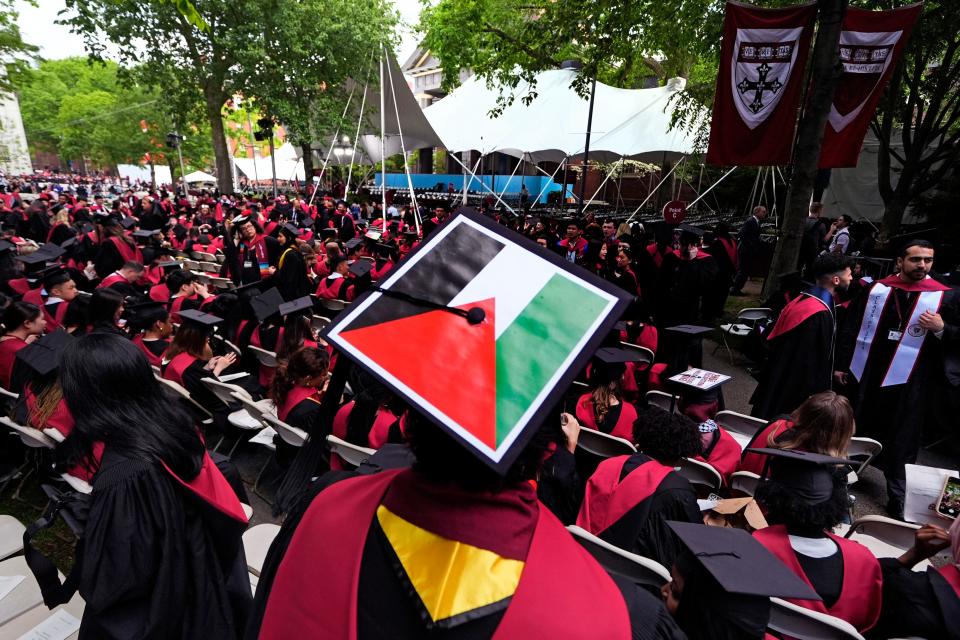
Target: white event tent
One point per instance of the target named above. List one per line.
(288, 164)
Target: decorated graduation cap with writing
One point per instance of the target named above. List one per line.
(480, 330)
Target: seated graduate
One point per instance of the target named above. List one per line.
(189, 357)
(371, 419)
(720, 449)
(448, 549)
(822, 424)
(21, 324)
(151, 329)
(186, 292)
(922, 604)
(337, 285)
(125, 279)
(804, 498)
(55, 296)
(265, 333)
(162, 554)
(296, 331)
(104, 311)
(603, 407)
(722, 582)
(629, 499)
(297, 389)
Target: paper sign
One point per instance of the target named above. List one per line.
(700, 379)
(60, 626)
(924, 485)
(8, 584)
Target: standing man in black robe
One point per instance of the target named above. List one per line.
(895, 340)
(801, 343)
(749, 248)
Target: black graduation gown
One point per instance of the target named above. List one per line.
(643, 530)
(919, 604)
(108, 259)
(156, 562)
(894, 415)
(799, 364)
(559, 486)
(683, 288)
(291, 276)
(395, 614)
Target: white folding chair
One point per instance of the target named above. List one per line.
(221, 284)
(239, 418)
(77, 484)
(191, 265)
(700, 474)
(797, 622)
(604, 445)
(232, 348)
(863, 450)
(264, 357)
(204, 256)
(333, 305)
(739, 425)
(319, 322)
(256, 544)
(291, 435)
(745, 482)
(211, 266)
(6, 394)
(352, 454)
(885, 537)
(11, 536)
(662, 400)
(645, 355)
(33, 438)
(205, 416)
(741, 326)
(621, 562)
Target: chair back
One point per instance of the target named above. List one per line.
(753, 315)
(222, 284)
(183, 393)
(333, 305)
(745, 482)
(739, 425)
(319, 322)
(700, 473)
(620, 561)
(645, 355)
(895, 533)
(259, 409)
(352, 454)
(661, 399)
(223, 390)
(603, 445)
(797, 622)
(33, 438)
(863, 450)
(291, 435)
(264, 357)
(9, 395)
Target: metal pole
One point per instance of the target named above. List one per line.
(586, 145)
(253, 147)
(183, 175)
(383, 134)
(273, 164)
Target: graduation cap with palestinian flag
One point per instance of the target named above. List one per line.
(481, 330)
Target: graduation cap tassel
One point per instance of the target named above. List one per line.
(475, 315)
(307, 463)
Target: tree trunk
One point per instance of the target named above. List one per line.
(307, 164)
(213, 99)
(893, 211)
(826, 71)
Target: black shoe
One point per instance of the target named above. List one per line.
(895, 508)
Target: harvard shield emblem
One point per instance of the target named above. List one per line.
(762, 62)
(865, 58)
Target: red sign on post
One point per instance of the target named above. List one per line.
(675, 211)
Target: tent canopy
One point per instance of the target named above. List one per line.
(199, 176)
(630, 123)
(288, 164)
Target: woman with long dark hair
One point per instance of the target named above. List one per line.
(162, 553)
(189, 357)
(604, 408)
(104, 311)
(22, 323)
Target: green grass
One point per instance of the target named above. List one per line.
(57, 542)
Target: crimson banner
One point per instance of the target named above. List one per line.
(759, 83)
(871, 44)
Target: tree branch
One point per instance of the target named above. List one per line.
(545, 60)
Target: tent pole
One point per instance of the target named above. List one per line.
(463, 199)
(710, 188)
(508, 207)
(403, 148)
(330, 150)
(609, 173)
(586, 145)
(472, 173)
(356, 137)
(507, 185)
(650, 194)
(383, 133)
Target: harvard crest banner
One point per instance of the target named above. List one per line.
(481, 330)
(871, 44)
(760, 80)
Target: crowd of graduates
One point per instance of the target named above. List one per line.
(102, 299)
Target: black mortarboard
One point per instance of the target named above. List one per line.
(199, 319)
(6, 247)
(68, 243)
(169, 265)
(266, 304)
(250, 289)
(128, 222)
(739, 563)
(373, 234)
(304, 304)
(692, 230)
(43, 356)
(614, 355)
(51, 251)
(144, 233)
(809, 476)
(352, 243)
(361, 268)
(691, 330)
(291, 229)
(410, 235)
(328, 234)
